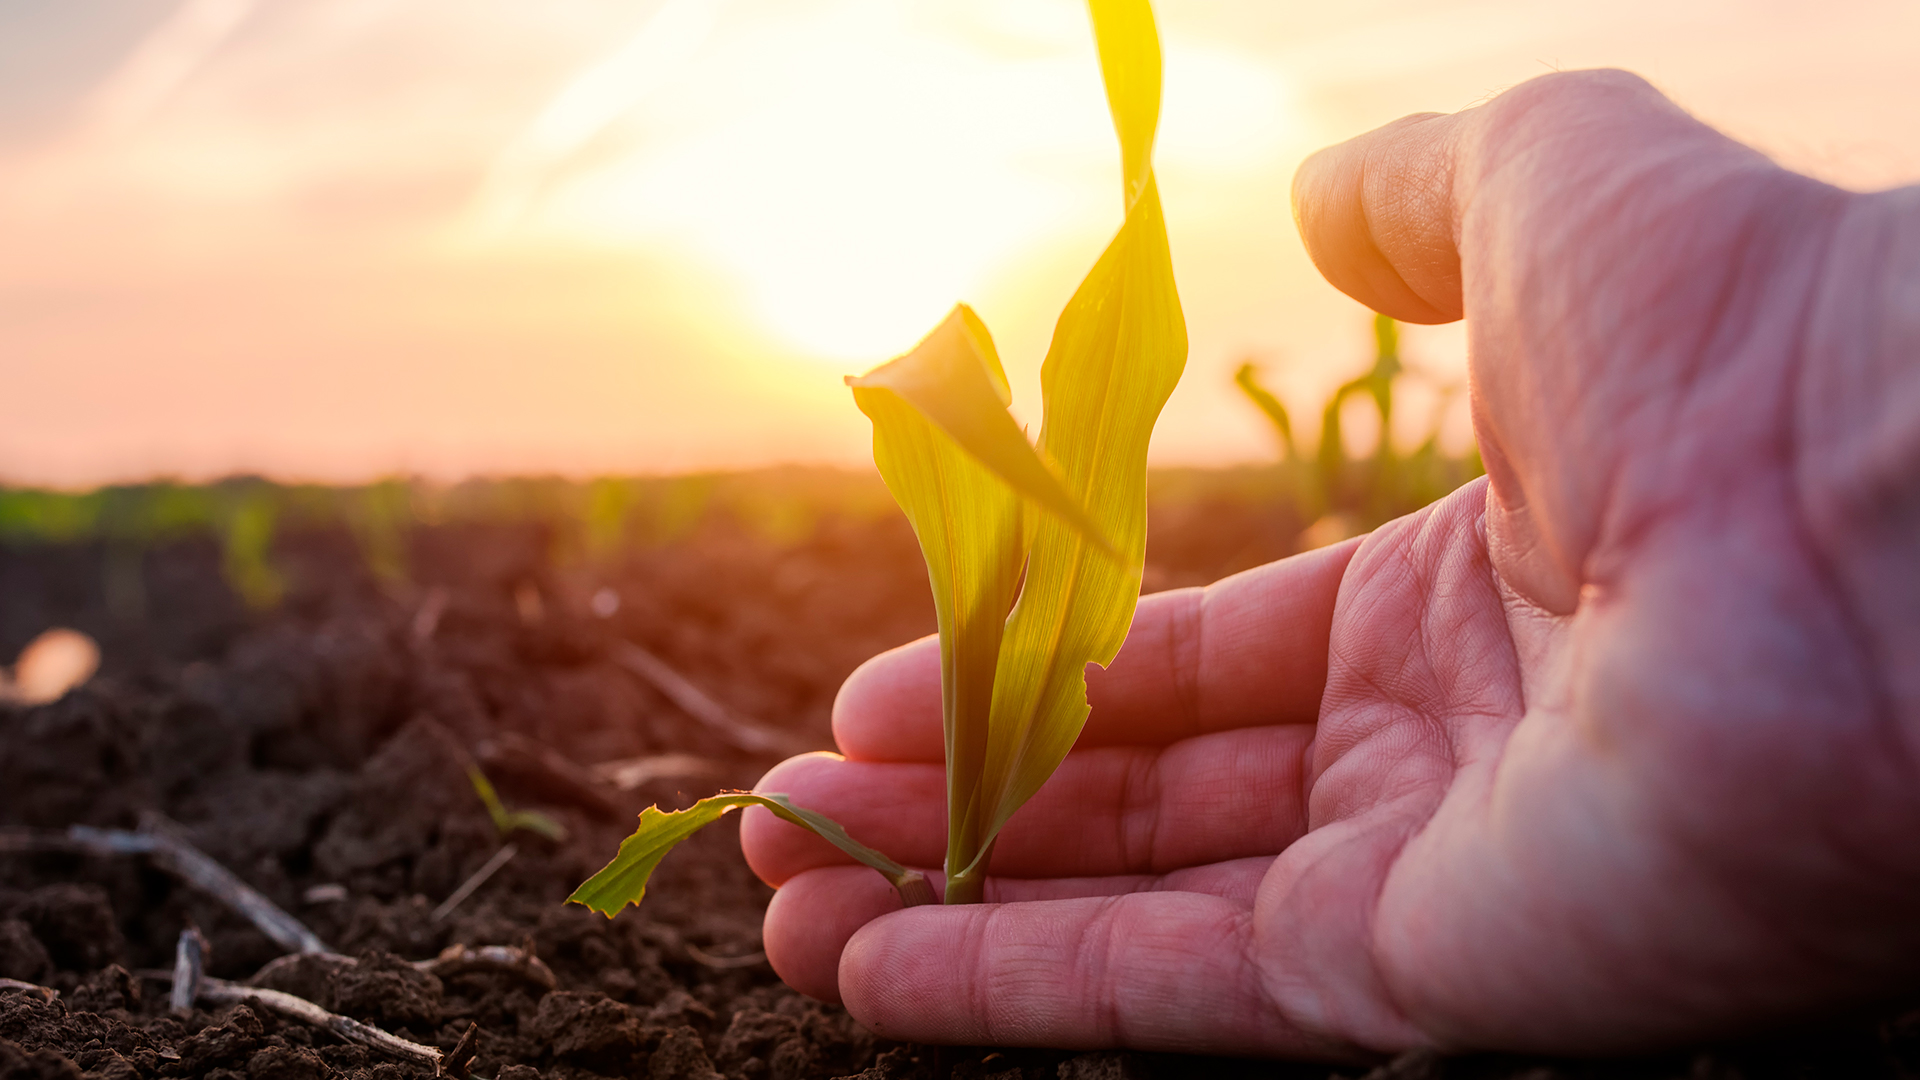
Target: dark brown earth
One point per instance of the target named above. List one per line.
(320, 743)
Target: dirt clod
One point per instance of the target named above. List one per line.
(285, 1063)
(21, 954)
(590, 1029)
(18, 1064)
(760, 1045)
(1111, 1065)
(899, 1063)
(681, 1056)
(75, 923)
(385, 990)
(111, 990)
(227, 1043)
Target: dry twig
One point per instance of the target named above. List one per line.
(752, 737)
(474, 881)
(514, 753)
(46, 993)
(173, 852)
(189, 970)
(723, 963)
(221, 992)
(505, 959)
(629, 773)
(459, 1060)
(166, 843)
(520, 963)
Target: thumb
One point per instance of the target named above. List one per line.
(1377, 216)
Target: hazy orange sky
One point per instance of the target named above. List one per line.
(338, 238)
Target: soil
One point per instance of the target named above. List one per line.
(316, 750)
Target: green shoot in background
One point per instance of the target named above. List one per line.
(1054, 534)
(507, 822)
(1333, 489)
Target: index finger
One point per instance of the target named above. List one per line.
(1245, 651)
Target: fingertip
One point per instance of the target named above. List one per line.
(899, 972)
(811, 919)
(889, 708)
(1376, 215)
(776, 849)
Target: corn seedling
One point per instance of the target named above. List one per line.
(506, 822)
(1386, 484)
(1055, 535)
(380, 516)
(246, 542)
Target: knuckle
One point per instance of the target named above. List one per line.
(1570, 93)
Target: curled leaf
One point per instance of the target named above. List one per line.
(954, 379)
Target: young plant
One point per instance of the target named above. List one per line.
(1365, 492)
(507, 822)
(1054, 534)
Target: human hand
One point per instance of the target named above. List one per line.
(1615, 748)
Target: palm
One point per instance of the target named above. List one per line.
(1612, 750)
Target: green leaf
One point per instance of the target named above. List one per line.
(489, 798)
(1247, 378)
(624, 880)
(534, 821)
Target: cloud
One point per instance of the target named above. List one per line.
(167, 59)
(591, 102)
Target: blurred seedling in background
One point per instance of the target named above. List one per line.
(1343, 495)
(380, 516)
(1054, 534)
(248, 541)
(506, 822)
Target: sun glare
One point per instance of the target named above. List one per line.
(855, 167)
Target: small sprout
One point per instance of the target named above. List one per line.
(245, 543)
(1345, 496)
(506, 822)
(1247, 378)
(380, 516)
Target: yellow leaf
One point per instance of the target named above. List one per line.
(1130, 64)
(954, 379)
(1015, 696)
(969, 525)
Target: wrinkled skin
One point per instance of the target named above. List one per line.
(1613, 749)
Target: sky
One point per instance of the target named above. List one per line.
(340, 239)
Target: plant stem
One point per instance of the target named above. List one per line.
(965, 888)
